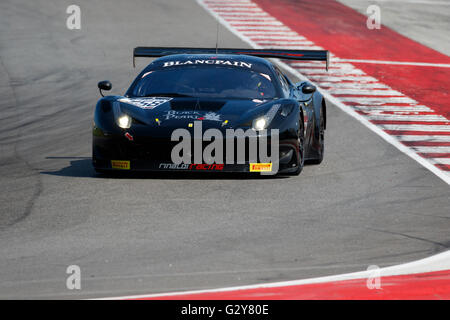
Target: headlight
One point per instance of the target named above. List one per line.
(124, 121)
(263, 122)
(260, 123)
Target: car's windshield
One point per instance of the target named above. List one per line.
(205, 81)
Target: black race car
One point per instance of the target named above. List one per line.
(196, 109)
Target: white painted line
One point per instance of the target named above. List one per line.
(247, 19)
(410, 109)
(351, 85)
(250, 23)
(271, 35)
(286, 43)
(424, 138)
(403, 63)
(416, 127)
(270, 28)
(427, 2)
(254, 9)
(233, 6)
(283, 42)
(217, 5)
(377, 101)
(442, 160)
(434, 263)
(432, 149)
(401, 117)
(363, 92)
(249, 15)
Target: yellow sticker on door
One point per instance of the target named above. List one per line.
(260, 167)
(120, 164)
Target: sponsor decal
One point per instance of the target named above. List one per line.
(129, 136)
(260, 167)
(192, 166)
(120, 164)
(240, 64)
(174, 166)
(146, 103)
(204, 166)
(192, 115)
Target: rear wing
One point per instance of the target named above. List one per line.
(152, 52)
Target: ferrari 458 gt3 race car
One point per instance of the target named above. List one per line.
(195, 109)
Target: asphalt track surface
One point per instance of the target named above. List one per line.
(366, 204)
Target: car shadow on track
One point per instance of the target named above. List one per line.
(81, 167)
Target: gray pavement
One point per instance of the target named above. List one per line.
(367, 203)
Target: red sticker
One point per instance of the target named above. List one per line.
(129, 136)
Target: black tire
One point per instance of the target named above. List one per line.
(301, 149)
(321, 141)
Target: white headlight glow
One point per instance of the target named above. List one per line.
(260, 124)
(124, 121)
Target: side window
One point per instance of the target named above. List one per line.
(284, 83)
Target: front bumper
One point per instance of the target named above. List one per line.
(116, 153)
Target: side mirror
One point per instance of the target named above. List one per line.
(104, 85)
(308, 89)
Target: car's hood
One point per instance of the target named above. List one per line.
(176, 112)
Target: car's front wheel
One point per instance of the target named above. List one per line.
(301, 150)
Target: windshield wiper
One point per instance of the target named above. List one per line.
(167, 94)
